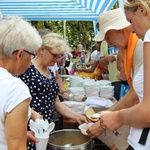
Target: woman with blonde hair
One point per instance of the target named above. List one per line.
(42, 83)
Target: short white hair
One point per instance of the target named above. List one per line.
(43, 32)
(56, 43)
(15, 34)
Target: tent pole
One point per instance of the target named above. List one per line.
(121, 4)
(64, 29)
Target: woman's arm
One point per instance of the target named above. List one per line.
(91, 69)
(31, 138)
(63, 91)
(16, 126)
(65, 111)
(35, 115)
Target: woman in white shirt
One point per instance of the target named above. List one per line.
(16, 52)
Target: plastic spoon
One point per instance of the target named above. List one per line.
(96, 116)
(51, 127)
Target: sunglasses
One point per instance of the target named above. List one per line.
(32, 54)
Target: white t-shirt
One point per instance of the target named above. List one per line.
(96, 56)
(54, 68)
(13, 91)
(138, 57)
(147, 36)
(135, 133)
(93, 55)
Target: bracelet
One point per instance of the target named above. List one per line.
(63, 92)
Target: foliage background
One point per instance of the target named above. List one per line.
(76, 31)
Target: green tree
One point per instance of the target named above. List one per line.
(76, 31)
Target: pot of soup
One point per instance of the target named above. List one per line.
(69, 139)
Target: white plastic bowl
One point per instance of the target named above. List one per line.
(83, 127)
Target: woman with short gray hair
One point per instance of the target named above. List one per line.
(19, 42)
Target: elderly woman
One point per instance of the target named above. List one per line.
(55, 68)
(42, 84)
(16, 52)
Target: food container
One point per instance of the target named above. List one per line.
(84, 127)
(75, 81)
(60, 139)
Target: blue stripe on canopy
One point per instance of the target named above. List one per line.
(56, 9)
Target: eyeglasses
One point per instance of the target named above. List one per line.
(62, 56)
(55, 56)
(32, 54)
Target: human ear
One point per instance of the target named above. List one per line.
(142, 9)
(42, 49)
(19, 54)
